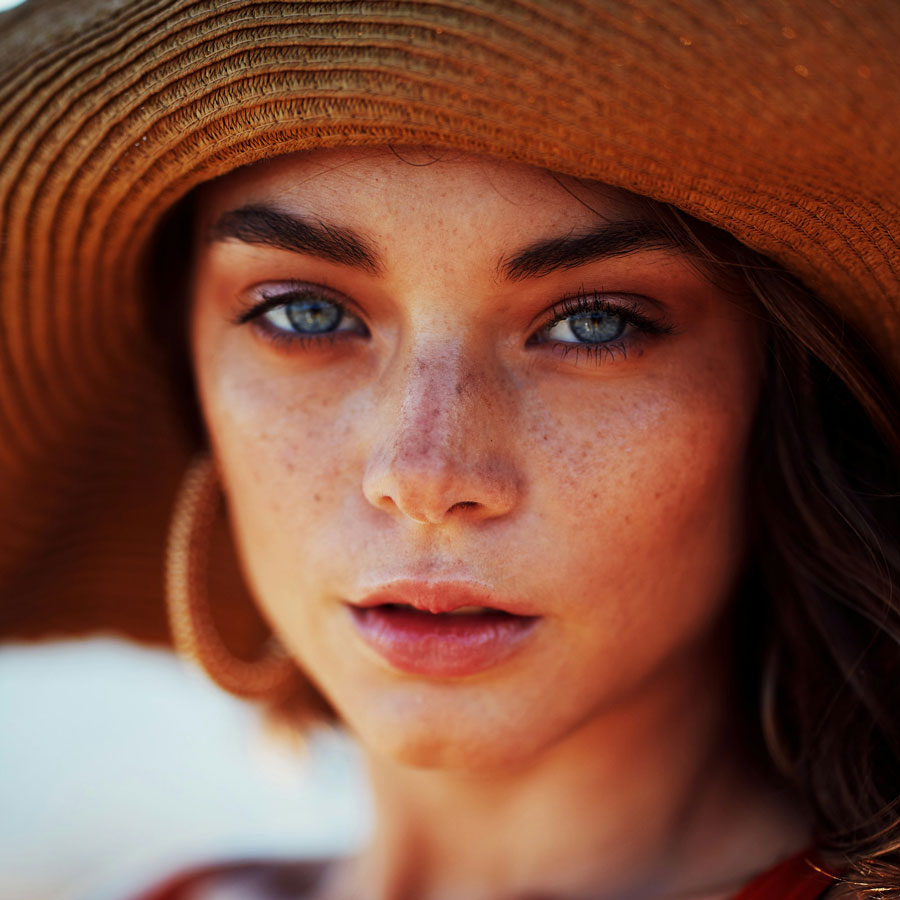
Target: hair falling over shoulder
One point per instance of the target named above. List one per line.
(819, 612)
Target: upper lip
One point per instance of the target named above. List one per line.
(439, 597)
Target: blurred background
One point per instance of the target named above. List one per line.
(119, 764)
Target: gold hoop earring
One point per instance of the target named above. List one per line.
(190, 617)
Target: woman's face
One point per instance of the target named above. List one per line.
(469, 383)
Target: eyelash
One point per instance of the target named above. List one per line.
(585, 302)
(253, 315)
(581, 303)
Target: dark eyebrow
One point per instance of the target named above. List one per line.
(603, 242)
(286, 231)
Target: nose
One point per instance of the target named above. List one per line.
(445, 442)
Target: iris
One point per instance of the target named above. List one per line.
(313, 315)
(597, 327)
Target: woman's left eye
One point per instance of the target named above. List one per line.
(596, 327)
(598, 323)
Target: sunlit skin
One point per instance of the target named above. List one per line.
(457, 426)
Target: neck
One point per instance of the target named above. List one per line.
(646, 799)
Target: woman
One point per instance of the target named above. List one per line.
(546, 363)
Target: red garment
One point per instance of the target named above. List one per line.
(796, 878)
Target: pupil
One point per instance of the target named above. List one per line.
(597, 327)
(313, 316)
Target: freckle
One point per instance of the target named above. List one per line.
(545, 437)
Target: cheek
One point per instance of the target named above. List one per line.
(643, 509)
(280, 443)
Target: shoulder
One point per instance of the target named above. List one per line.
(254, 880)
(800, 877)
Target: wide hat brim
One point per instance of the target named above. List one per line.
(777, 121)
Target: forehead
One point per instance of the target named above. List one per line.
(422, 190)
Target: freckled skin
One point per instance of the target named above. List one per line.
(609, 497)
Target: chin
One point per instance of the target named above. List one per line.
(433, 735)
(448, 752)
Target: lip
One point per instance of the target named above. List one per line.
(406, 623)
(441, 597)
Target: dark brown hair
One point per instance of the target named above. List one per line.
(819, 622)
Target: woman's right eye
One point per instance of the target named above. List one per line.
(304, 314)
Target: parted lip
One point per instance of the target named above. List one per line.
(439, 597)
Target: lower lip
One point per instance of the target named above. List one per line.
(441, 646)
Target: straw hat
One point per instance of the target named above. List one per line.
(778, 120)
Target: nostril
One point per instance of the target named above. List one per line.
(428, 494)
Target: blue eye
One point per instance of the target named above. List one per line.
(592, 327)
(303, 313)
(601, 326)
(311, 315)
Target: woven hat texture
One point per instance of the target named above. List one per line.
(778, 120)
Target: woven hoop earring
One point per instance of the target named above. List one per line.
(190, 617)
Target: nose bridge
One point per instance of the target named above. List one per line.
(443, 395)
(442, 448)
